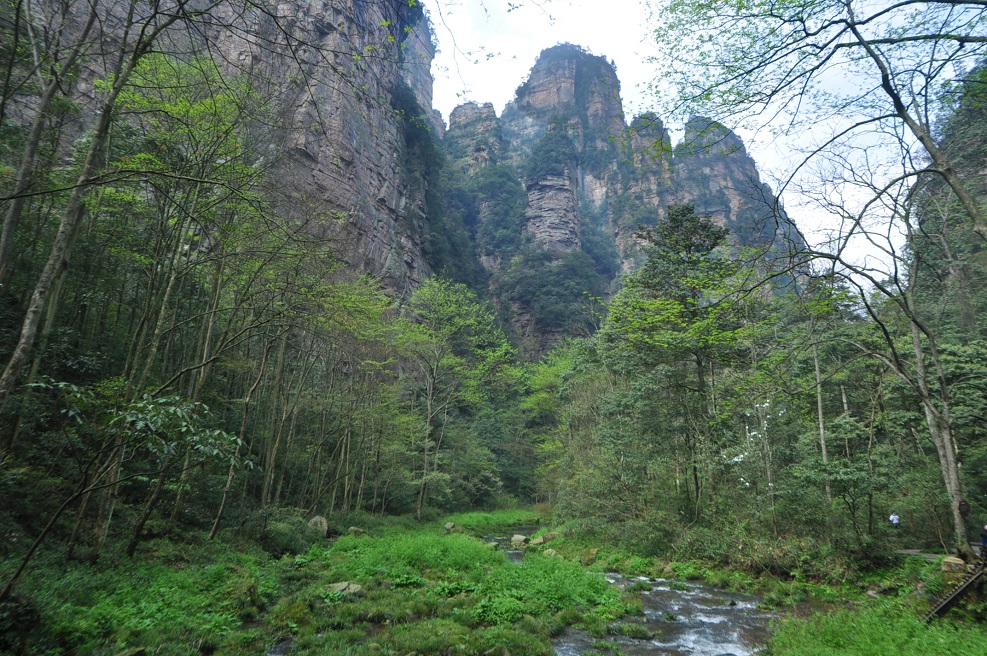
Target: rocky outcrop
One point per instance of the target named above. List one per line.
(616, 178)
(632, 171)
(551, 220)
(474, 139)
(712, 170)
(342, 155)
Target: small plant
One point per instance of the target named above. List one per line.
(499, 610)
(332, 597)
(640, 585)
(689, 571)
(453, 588)
(407, 580)
(604, 647)
(630, 630)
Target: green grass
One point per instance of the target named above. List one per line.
(489, 522)
(878, 630)
(421, 590)
(180, 599)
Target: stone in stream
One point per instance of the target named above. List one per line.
(518, 540)
(542, 539)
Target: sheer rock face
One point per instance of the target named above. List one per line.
(712, 170)
(342, 157)
(336, 148)
(551, 220)
(474, 137)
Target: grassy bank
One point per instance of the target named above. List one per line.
(399, 588)
(878, 629)
(406, 587)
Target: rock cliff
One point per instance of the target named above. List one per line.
(591, 180)
(344, 162)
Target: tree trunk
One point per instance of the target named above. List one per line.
(243, 432)
(25, 172)
(822, 422)
(148, 509)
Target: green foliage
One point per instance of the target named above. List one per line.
(553, 155)
(177, 598)
(486, 523)
(500, 203)
(557, 289)
(878, 629)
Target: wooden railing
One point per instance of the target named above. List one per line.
(942, 606)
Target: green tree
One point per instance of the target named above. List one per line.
(457, 351)
(753, 62)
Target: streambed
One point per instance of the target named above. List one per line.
(687, 619)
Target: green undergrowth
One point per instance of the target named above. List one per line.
(178, 598)
(398, 589)
(401, 587)
(777, 591)
(487, 522)
(888, 627)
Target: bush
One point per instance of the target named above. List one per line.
(281, 531)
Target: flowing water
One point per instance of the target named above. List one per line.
(687, 619)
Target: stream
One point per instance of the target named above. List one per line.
(685, 619)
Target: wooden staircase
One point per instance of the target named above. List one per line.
(942, 606)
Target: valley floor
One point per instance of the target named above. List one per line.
(401, 587)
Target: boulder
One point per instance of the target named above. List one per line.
(450, 526)
(354, 530)
(346, 588)
(537, 542)
(954, 569)
(518, 540)
(552, 552)
(499, 650)
(588, 556)
(320, 523)
(548, 537)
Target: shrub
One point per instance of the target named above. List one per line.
(499, 610)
